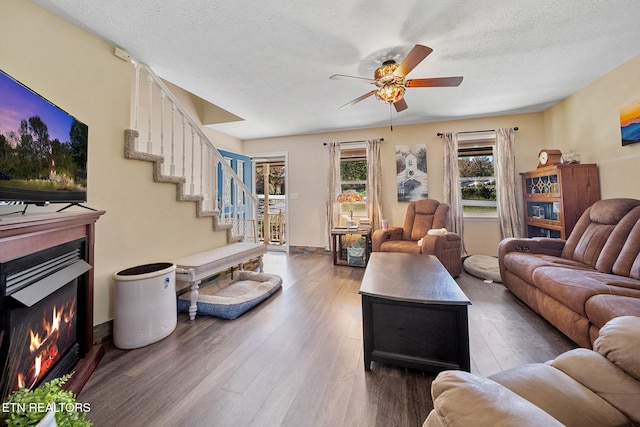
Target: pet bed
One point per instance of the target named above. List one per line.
(483, 266)
(229, 300)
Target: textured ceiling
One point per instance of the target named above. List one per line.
(269, 62)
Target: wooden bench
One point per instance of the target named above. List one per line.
(193, 269)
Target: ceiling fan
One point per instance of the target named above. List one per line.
(390, 80)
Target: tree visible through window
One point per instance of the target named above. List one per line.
(353, 176)
(477, 179)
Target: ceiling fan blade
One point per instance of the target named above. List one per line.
(434, 82)
(355, 101)
(417, 54)
(344, 77)
(400, 105)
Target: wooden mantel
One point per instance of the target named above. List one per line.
(22, 235)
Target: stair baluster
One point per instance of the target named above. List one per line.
(235, 209)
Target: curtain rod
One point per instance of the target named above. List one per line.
(477, 131)
(353, 142)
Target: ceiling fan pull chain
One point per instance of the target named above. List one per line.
(390, 117)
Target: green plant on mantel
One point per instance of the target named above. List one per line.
(27, 407)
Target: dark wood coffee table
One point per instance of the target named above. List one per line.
(414, 314)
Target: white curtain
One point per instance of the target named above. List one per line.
(452, 193)
(374, 183)
(332, 216)
(507, 185)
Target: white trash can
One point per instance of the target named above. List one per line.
(145, 304)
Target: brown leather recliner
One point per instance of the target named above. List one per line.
(578, 388)
(422, 216)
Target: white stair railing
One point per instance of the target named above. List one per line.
(164, 132)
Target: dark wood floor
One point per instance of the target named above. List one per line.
(296, 360)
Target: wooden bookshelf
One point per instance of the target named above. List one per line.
(556, 196)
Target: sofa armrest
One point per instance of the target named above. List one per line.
(380, 236)
(433, 245)
(535, 245)
(464, 399)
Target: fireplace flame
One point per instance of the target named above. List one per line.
(43, 343)
(37, 366)
(55, 325)
(35, 341)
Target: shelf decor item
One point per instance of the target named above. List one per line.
(548, 157)
(570, 158)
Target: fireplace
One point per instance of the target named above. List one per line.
(40, 303)
(46, 300)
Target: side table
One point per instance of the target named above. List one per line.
(337, 236)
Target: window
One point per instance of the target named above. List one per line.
(477, 177)
(353, 176)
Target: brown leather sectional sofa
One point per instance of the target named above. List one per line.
(580, 284)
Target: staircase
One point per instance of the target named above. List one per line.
(165, 134)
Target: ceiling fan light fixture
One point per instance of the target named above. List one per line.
(390, 93)
(390, 86)
(386, 69)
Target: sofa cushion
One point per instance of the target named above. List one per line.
(591, 243)
(604, 378)
(619, 341)
(619, 244)
(574, 288)
(611, 211)
(560, 396)
(617, 285)
(523, 264)
(628, 261)
(568, 286)
(461, 398)
(602, 308)
(600, 233)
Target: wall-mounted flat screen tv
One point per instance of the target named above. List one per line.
(43, 149)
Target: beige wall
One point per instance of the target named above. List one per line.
(308, 171)
(588, 122)
(193, 106)
(79, 72)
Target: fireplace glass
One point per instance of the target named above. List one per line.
(40, 316)
(43, 334)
